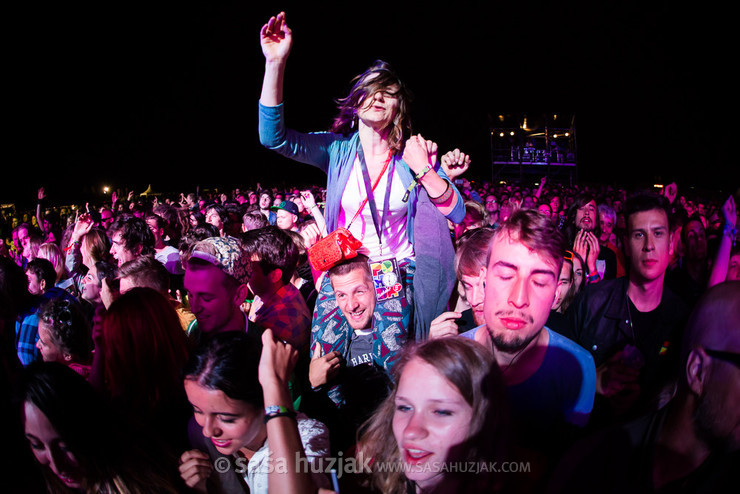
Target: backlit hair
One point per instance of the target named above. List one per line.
(379, 77)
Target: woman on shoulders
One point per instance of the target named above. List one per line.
(370, 148)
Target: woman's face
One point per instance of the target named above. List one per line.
(378, 110)
(230, 424)
(577, 272)
(50, 351)
(49, 448)
(564, 282)
(431, 417)
(193, 221)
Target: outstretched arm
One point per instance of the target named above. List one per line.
(722, 258)
(276, 364)
(276, 39)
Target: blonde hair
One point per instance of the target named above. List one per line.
(53, 253)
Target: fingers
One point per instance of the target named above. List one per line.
(195, 466)
(316, 351)
(444, 325)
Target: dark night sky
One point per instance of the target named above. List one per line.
(131, 93)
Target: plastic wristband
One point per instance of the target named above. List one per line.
(275, 411)
(593, 277)
(415, 181)
(421, 174)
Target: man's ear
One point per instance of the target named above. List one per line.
(241, 294)
(42, 285)
(697, 370)
(275, 276)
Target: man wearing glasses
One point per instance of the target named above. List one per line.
(692, 444)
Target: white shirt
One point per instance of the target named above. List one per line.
(395, 241)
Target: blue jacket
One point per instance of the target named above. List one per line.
(426, 228)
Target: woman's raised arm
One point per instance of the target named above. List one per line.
(276, 39)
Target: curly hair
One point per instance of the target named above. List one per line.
(68, 327)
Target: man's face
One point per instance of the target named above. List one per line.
(586, 216)
(714, 419)
(106, 218)
(649, 244)
(213, 297)
(285, 220)
(119, 251)
(355, 295)
(265, 201)
(519, 292)
(23, 239)
(34, 284)
(491, 204)
(475, 294)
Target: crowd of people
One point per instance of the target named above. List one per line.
(480, 337)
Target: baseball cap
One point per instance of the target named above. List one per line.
(288, 206)
(225, 253)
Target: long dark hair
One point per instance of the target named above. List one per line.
(228, 362)
(379, 77)
(92, 431)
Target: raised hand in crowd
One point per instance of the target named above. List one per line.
(670, 191)
(323, 368)
(419, 153)
(455, 163)
(83, 225)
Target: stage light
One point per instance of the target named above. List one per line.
(106, 189)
